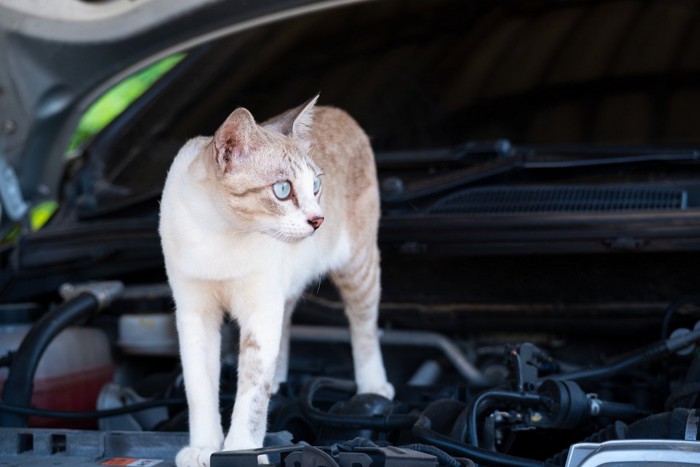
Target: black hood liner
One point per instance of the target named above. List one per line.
(422, 75)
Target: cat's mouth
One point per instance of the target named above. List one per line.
(292, 237)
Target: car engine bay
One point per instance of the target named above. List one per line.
(487, 399)
(540, 240)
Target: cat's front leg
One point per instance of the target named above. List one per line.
(260, 332)
(282, 366)
(198, 319)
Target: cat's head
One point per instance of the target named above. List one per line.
(267, 181)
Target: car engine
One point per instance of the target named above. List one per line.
(550, 400)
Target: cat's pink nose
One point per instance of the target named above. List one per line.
(315, 222)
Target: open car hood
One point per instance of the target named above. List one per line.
(431, 86)
(56, 57)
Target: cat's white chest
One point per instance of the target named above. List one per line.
(224, 257)
(197, 243)
(207, 254)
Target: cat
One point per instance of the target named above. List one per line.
(248, 218)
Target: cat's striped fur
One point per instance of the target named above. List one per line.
(232, 246)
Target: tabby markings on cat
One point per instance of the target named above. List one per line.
(250, 217)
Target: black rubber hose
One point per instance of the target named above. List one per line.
(648, 354)
(381, 423)
(105, 413)
(19, 385)
(422, 431)
(475, 408)
(71, 415)
(678, 424)
(670, 312)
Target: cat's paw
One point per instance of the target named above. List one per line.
(236, 443)
(386, 389)
(191, 456)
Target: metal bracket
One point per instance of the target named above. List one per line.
(105, 291)
(10, 192)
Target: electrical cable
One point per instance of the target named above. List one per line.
(422, 431)
(377, 422)
(73, 415)
(648, 354)
(474, 409)
(61, 414)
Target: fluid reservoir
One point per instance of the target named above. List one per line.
(71, 372)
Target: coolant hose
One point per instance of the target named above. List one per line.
(19, 386)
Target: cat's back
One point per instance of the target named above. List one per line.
(335, 133)
(342, 149)
(350, 197)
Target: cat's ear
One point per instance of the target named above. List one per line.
(233, 138)
(294, 122)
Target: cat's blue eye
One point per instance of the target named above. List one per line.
(317, 185)
(282, 189)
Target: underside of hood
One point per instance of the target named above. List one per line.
(58, 56)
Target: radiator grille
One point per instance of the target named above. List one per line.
(560, 199)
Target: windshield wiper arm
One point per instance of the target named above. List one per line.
(520, 158)
(461, 154)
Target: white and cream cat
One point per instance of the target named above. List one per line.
(249, 217)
